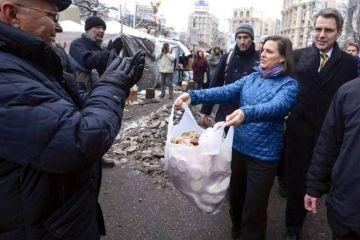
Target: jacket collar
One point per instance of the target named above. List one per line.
(91, 40)
(28, 46)
(325, 74)
(335, 53)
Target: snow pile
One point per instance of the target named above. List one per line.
(140, 145)
(71, 26)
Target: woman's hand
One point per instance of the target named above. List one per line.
(235, 118)
(204, 119)
(311, 203)
(182, 99)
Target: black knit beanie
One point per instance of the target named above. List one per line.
(62, 4)
(94, 22)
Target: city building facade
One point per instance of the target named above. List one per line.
(262, 25)
(205, 23)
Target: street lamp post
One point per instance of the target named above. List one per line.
(120, 15)
(194, 43)
(134, 22)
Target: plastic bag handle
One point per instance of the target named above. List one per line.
(230, 135)
(171, 117)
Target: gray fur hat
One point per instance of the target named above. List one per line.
(245, 28)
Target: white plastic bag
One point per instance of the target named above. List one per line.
(201, 173)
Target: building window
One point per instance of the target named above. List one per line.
(247, 14)
(235, 14)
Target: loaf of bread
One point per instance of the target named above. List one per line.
(189, 139)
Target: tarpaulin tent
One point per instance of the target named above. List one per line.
(151, 70)
(133, 40)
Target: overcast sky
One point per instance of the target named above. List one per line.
(176, 12)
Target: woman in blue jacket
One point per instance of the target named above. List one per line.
(266, 96)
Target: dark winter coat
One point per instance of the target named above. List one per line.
(241, 64)
(213, 60)
(89, 54)
(49, 146)
(336, 158)
(265, 103)
(316, 91)
(199, 67)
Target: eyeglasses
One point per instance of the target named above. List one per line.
(53, 15)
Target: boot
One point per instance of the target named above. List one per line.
(107, 163)
(293, 233)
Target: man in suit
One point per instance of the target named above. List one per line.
(320, 69)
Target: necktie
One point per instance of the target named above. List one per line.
(324, 59)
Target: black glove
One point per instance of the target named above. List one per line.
(140, 64)
(125, 72)
(117, 44)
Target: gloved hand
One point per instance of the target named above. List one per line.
(117, 44)
(140, 62)
(125, 72)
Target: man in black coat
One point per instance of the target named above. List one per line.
(233, 66)
(320, 69)
(51, 137)
(336, 159)
(88, 54)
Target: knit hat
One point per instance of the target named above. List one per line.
(245, 28)
(94, 22)
(62, 4)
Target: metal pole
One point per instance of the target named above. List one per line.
(121, 21)
(194, 43)
(136, 5)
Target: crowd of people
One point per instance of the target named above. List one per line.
(296, 115)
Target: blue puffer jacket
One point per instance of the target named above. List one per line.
(265, 102)
(50, 147)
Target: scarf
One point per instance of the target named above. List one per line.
(272, 72)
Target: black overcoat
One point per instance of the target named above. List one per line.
(316, 92)
(336, 157)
